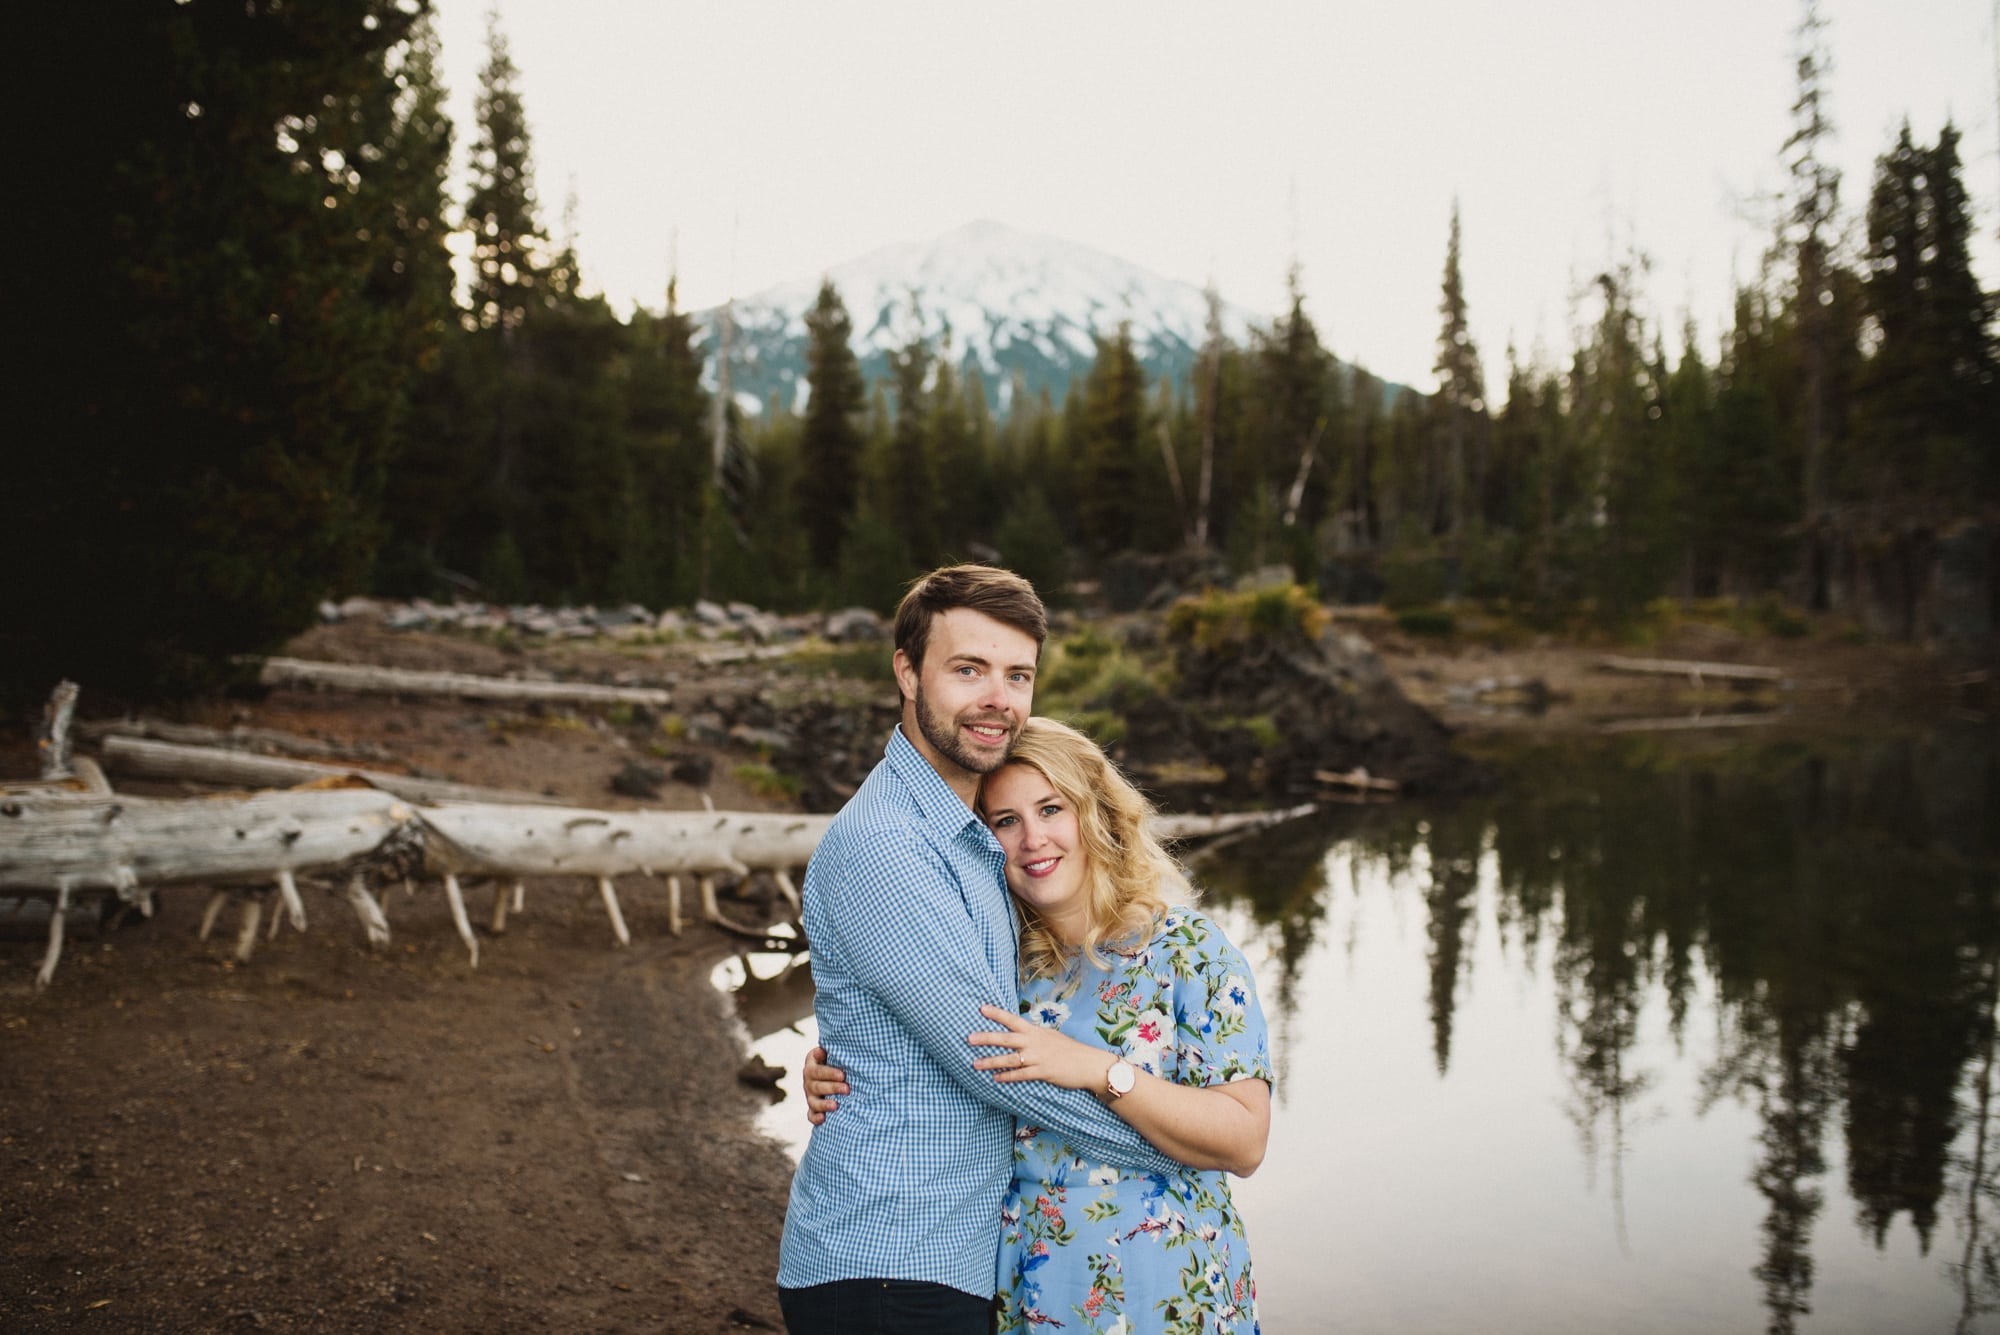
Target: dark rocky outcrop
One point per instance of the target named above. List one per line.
(1274, 713)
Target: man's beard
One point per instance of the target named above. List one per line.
(943, 735)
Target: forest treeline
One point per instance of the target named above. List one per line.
(254, 378)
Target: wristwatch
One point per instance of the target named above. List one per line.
(1120, 1078)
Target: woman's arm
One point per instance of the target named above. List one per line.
(1213, 1126)
(821, 1083)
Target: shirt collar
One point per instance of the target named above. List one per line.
(942, 807)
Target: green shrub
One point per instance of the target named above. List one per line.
(1414, 579)
(1102, 726)
(1427, 621)
(1263, 729)
(1774, 618)
(1092, 676)
(1234, 622)
(768, 783)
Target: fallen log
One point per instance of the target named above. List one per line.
(1688, 723)
(1691, 669)
(142, 758)
(73, 845)
(1356, 779)
(120, 844)
(260, 741)
(462, 685)
(67, 844)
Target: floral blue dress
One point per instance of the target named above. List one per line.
(1088, 1247)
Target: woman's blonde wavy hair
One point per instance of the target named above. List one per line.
(1130, 880)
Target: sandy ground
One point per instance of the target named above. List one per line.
(333, 1139)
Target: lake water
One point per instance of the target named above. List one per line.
(1662, 1035)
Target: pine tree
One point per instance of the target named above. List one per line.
(1114, 398)
(1367, 425)
(666, 416)
(1961, 330)
(959, 514)
(1926, 403)
(1812, 220)
(212, 393)
(1687, 425)
(1615, 396)
(416, 281)
(1460, 403)
(1892, 411)
(1207, 397)
(1295, 417)
(908, 481)
(830, 448)
(507, 238)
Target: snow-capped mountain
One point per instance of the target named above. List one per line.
(1014, 305)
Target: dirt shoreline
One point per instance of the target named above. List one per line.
(333, 1139)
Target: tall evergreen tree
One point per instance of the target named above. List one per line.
(1615, 396)
(1281, 480)
(907, 481)
(666, 417)
(1926, 402)
(1109, 454)
(212, 390)
(508, 242)
(416, 280)
(830, 446)
(957, 515)
(1810, 235)
(1459, 405)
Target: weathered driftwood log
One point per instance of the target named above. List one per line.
(68, 844)
(76, 844)
(515, 841)
(462, 685)
(1691, 669)
(91, 842)
(1358, 779)
(54, 742)
(260, 741)
(142, 758)
(1687, 724)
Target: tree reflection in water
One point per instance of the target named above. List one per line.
(1839, 896)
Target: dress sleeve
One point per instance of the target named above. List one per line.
(904, 932)
(1219, 1029)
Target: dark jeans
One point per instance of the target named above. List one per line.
(884, 1307)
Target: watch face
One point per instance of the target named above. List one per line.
(1122, 1077)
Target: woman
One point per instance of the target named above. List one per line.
(1149, 1007)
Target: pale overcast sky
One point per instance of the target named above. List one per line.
(1217, 141)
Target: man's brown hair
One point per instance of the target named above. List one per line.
(1000, 594)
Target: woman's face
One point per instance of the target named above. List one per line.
(1045, 858)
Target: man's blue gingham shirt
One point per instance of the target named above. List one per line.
(906, 909)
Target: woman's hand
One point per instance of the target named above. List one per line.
(1035, 1053)
(821, 1083)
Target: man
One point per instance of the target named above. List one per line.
(894, 1222)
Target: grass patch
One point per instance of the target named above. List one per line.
(765, 782)
(1100, 725)
(1263, 729)
(1232, 623)
(1093, 683)
(856, 662)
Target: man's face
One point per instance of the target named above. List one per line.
(975, 690)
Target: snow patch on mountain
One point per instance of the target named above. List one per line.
(1014, 306)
